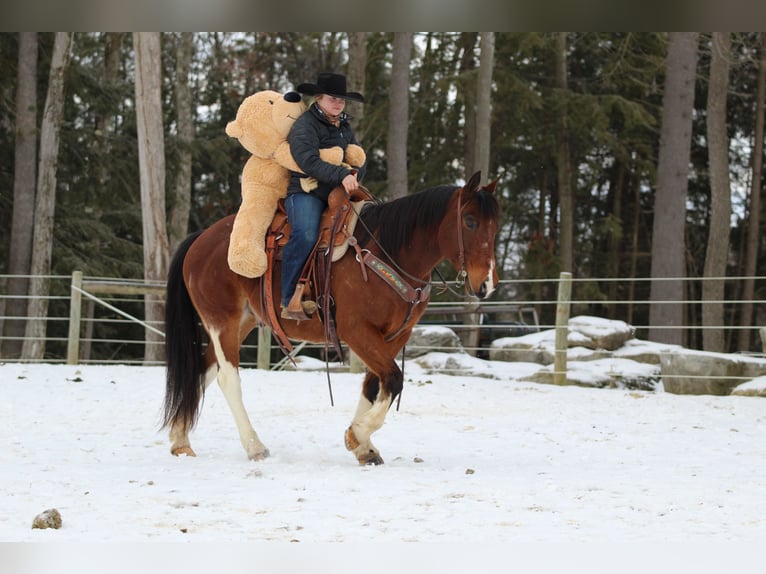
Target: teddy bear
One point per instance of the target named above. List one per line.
(263, 121)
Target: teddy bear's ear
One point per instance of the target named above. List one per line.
(293, 97)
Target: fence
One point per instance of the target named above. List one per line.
(100, 320)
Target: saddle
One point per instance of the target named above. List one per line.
(336, 227)
(340, 206)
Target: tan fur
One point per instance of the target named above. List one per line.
(263, 121)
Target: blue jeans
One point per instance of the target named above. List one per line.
(304, 210)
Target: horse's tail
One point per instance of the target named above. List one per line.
(184, 353)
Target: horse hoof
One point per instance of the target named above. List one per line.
(370, 458)
(182, 450)
(260, 455)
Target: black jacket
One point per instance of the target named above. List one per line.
(311, 132)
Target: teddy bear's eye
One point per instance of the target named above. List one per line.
(271, 102)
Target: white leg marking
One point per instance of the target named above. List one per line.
(231, 386)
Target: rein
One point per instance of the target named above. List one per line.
(462, 273)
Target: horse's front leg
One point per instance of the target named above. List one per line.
(231, 387)
(374, 404)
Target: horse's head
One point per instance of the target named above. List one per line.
(471, 233)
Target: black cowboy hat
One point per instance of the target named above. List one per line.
(332, 85)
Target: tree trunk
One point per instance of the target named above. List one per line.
(484, 106)
(398, 116)
(151, 155)
(720, 196)
(23, 217)
(668, 246)
(357, 64)
(181, 201)
(45, 202)
(754, 218)
(112, 58)
(468, 73)
(563, 161)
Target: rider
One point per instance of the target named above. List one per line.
(323, 125)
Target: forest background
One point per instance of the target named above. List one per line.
(618, 155)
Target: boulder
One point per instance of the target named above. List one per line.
(689, 372)
(427, 339)
(602, 333)
(754, 388)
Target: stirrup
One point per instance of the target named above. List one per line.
(307, 309)
(298, 309)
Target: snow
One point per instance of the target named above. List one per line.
(475, 454)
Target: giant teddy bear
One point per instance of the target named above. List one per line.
(263, 121)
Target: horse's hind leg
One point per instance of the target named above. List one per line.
(179, 431)
(231, 387)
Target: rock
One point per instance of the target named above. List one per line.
(754, 388)
(427, 339)
(602, 333)
(50, 518)
(604, 373)
(690, 372)
(599, 335)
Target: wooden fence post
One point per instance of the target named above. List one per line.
(562, 328)
(264, 348)
(75, 310)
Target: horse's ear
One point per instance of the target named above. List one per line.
(473, 183)
(490, 187)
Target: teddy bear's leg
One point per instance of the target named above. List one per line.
(247, 245)
(246, 255)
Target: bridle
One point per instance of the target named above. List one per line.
(462, 274)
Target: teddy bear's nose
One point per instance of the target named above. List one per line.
(293, 97)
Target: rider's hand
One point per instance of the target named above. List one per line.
(350, 183)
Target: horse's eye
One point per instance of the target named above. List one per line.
(471, 222)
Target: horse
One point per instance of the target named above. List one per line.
(210, 309)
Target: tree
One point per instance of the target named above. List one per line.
(357, 62)
(563, 159)
(22, 222)
(45, 200)
(668, 252)
(178, 220)
(720, 196)
(398, 115)
(151, 151)
(754, 217)
(484, 106)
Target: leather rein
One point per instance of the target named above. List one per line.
(411, 295)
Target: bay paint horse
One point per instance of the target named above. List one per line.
(210, 309)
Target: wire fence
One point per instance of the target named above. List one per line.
(102, 320)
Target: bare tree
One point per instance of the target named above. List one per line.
(178, 219)
(151, 153)
(720, 195)
(112, 57)
(398, 115)
(45, 200)
(754, 218)
(668, 247)
(484, 105)
(357, 63)
(563, 160)
(22, 219)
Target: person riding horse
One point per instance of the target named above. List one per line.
(325, 124)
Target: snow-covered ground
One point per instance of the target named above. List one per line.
(468, 459)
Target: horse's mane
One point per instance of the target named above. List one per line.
(395, 222)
